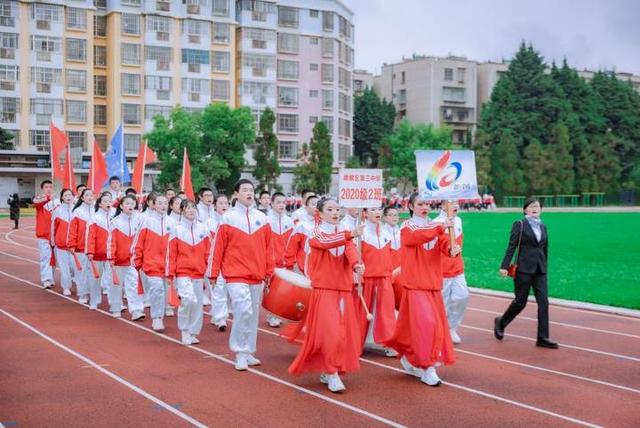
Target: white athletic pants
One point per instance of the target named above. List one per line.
(157, 296)
(95, 293)
(245, 306)
(85, 277)
(219, 301)
(145, 287)
(128, 277)
(456, 296)
(106, 278)
(190, 309)
(46, 271)
(115, 291)
(64, 262)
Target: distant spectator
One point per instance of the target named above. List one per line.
(14, 209)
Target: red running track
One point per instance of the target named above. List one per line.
(62, 364)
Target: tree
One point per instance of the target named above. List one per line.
(482, 149)
(353, 162)
(267, 169)
(561, 175)
(373, 120)
(321, 157)
(7, 140)
(303, 176)
(608, 170)
(535, 167)
(505, 168)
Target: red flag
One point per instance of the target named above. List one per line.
(58, 143)
(145, 156)
(172, 296)
(185, 181)
(69, 181)
(98, 171)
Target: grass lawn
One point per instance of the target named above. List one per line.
(593, 257)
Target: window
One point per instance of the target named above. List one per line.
(76, 111)
(287, 122)
(344, 28)
(193, 27)
(327, 73)
(46, 106)
(46, 12)
(313, 119)
(327, 48)
(461, 74)
(9, 108)
(259, 64)
(163, 5)
(100, 4)
(313, 67)
(344, 127)
(221, 33)
(76, 18)
(161, 25)
(151, 111)
(8, 12)
(403, 77)
(327, 21)
(313, 93)
(288, 150)
(327, 98)
(193, 87)
(131, 53)
(99, 25)
(220, 8)
(344, 77)
(344, 102)
(195, 56)
(287, 16)
(344, 152)
(220, 90)
(288, 43)
(287, 70)
(100, 56)
(287, 96)
(101, 141)
(8, 45)
(313, 13)
(131, 114)
(76, 49)
(161, 83)
(130, 23)
(100, 86)
(130, 84)
(131, 2)
(45, 75)
(448, 74)
(46, 44)
(456, 95)
(257, 91)
(9, 72)
(77, 140)
(99, 114)
(76, 80)
(132, 143)
(161, 55)
(328, 121)
(221, 61)
(39, 139)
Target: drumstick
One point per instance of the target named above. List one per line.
(77, 262)
(452, 234)
(358, 276)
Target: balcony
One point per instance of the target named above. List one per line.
(7, 21)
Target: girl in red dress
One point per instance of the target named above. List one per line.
(332, 343)
(422, 333)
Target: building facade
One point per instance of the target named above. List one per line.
(362, 79)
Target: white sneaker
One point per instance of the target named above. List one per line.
(93, 307)
(194, 340)
(253, 361)
(66, 292)
(169, 312)
(186, 338)
(455, 338)
(273, 321)
(333, 382)
(157, 325)
(116, 314)
(47, 284)
(83, 300)
(105, 292)
(206, 300)
(410, 369)
(430, 377)
(241, 362)
(137, 315)
(388, 352)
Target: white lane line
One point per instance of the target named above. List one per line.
(30, 238)
(106, 372)
(563, 345)
(521, 317)
(90, 367)
(230, 362)
(8, 238)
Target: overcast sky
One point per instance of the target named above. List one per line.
(592, 34)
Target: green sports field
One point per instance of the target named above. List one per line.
(593, 257)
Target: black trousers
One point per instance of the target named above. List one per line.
(523, 282)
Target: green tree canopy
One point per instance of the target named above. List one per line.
(267, 169)
(373, 120)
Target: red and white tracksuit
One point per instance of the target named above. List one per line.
(124, 228)
(206, 212)
(189, 249)
(454, 287)
(79, 231)
(99, 247)
(422, 334)
(243, 254)
(281, 233)
(297, 247)
(60, 227)
(44, 208)
(151, 256)
(217, 288)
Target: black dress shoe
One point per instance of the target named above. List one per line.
(546, 343)
(498, 330)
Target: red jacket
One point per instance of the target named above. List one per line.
(376, 251)
(151, 245)
(61, 226)
(243, 247)
(281, 233)
(189, 249)
(124, 228)
(332, 257)
(453, 266)
(44, 207)
(82, 219)
(99, 240)
(396, 246)
(296, 249)
(423, 245)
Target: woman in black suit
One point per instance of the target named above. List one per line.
(14, 209)
(531, 271)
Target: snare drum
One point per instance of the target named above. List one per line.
(288, 295)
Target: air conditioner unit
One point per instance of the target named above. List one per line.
(194, 38)
(163, 95)
(43, 87)
(162, 36)
(43, 56)
(7, 53)
(258, 72)
(43, 119)
(163, 6)
(194, 96)
(259, 44)
(162, 65)
(7, 117)
(7, 85)
(259, 16)
(43, 25)
(193, 8)
(194, 68)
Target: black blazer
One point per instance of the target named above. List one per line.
(533, 254)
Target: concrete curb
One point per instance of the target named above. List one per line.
(566, 303)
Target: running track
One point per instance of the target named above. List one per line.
(63, 365)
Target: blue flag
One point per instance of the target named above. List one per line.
(116, 158)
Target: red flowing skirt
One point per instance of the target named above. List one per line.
(332, 340)
(422, 331)
(379, 296)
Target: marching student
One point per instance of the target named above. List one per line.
(264, 202)
(332, 343)
(170, 194)
(281, 231)
(243, 254)
(175, 209)
(189, 249)
(422, 333)
(377, 290)
(45, 205)
(147, 207)
(218, 293)
(454, 288)
(206, 210)
(301, 213)
(115, 188)
(350, 219)
(296, 250)
(60, 227)
(150, 256)
(124, 227)
(83, 216)
(391, 219)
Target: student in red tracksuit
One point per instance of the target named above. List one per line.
(243, 254)
(281, 232)
(376, 288)
(99, 253)
(44, 205)
(391, 218)
(332, 343)
(296, 251)
(124, 228)
(83, 213)
(188, 258)
(422, 333)
(151, 256)
(60, 226)
(219, 296)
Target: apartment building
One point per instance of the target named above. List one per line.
(362, 79)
